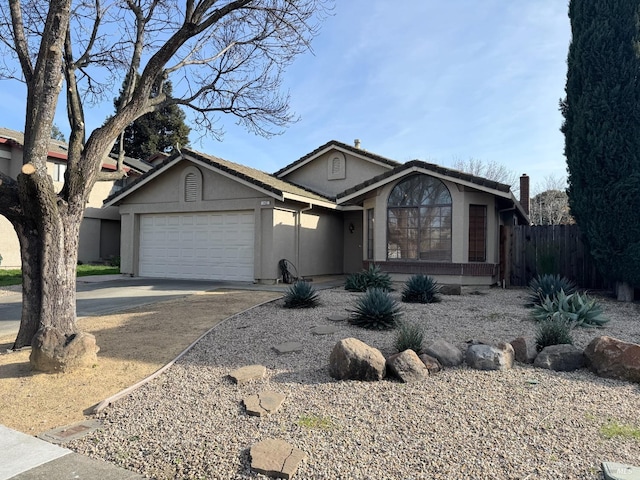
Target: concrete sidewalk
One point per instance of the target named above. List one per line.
(24, 457)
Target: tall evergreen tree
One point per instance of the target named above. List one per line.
(602, 134)
(158, 131)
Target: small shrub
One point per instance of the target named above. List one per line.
(301, 295)
(371, 278)
(409, 336)
(375, 310)
(577, 309)
(421, 289)
(553, 332)
(547, 285)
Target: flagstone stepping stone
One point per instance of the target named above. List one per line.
(324, 330)
(276, 458)
(620, 471)
(248, 373)
(263, 403)
(288, 347)
(338, 318)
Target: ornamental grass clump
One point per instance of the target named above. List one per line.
(553, 332)
(376, 310)
(577, 309)
(543, 286)
(421, 289)
(409, 336)
(301, 295)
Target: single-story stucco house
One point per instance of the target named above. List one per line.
(333, 211)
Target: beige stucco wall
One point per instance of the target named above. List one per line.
(461, 198)
(315, 174)
(311, 240)
(9, 245)
(94, 239)
(218, 193)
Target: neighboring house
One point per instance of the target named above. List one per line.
(100, 229)
(333, 211)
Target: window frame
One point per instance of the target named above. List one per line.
(424, 210)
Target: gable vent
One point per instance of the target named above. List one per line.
(190, 188)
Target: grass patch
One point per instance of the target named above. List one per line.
(86, 270)
(14, 277)
(315, 421)
(10, 277)
(614, 429)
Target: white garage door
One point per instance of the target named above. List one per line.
(216, 246)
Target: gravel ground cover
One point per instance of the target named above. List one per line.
(524, 423)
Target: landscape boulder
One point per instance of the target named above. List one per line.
(52, 351)
(489, 357)
(448, 355)
(432, 364)
(560, 358)
(407, 366)
(524, 349)
(613, 358)
(352, 359)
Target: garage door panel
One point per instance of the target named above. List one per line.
(215, 246)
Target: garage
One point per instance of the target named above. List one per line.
(203, 245)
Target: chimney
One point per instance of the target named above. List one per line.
(356, 143)
(524, 192)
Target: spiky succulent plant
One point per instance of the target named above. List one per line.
(373, 277)
(577, 309)
(376, 310)
(547, 285)
(301, 295)
(421, 289)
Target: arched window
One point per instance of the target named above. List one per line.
(419, 220)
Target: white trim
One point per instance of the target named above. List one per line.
(414, 169)
(333, 146)
(300, 198)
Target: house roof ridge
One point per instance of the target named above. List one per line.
(480, 181)
(345, 146)
(259, 178)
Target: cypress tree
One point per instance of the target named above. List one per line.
(158, 131)
(602, 133)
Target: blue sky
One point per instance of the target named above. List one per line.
(424, 79)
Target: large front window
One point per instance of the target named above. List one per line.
(419, 220)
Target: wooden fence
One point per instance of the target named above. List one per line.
(531, 250)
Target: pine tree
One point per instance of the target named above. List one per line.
(602, 133)
(158, 131)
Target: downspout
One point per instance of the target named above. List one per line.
(298, 231)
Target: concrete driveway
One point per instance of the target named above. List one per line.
(101, 295)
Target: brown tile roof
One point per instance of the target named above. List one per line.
(449, 172)
(256, 177)
(350, 148)
(57, 148)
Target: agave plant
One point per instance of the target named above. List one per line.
(421, 289)
(552, 332)
(371, 278)
(547, 285)
(376, 310)
(409, 336)
(301, 295)
(577, 309)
